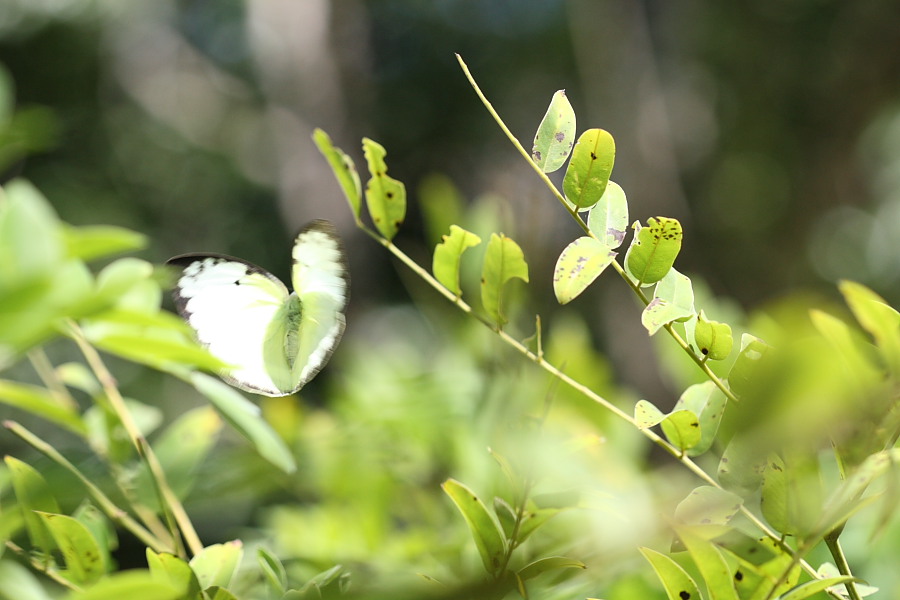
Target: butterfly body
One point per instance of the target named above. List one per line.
(274, 340)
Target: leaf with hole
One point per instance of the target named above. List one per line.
(448, 254)
(588, 173)
(578, 266)
(385, 196)
(555, 135)
(503, 261)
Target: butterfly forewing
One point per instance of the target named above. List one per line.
(236, 310)
(321, 282)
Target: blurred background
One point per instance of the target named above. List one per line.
(770, 129)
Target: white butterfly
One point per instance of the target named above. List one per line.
(273, 340)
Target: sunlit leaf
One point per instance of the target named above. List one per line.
(273, 571)
(385, 196)
(877, 317)
(713, 339)
(33, 495)
(741, 466)
(845, 499)
(588, 173)
(811, 588)
(708, 510)
(132, 584)
(711, 564)
(608, 219)
(245, 417)
(503, 261)
(580, 263)
(84, 560)
(175, 571)
(647, 415)
(447, 256)
(555, 135)
(216, 565)
(97, 241)
(682, 428)
(31, 243)
(18, 583)
(550, 563)
(533, 518)
(676, 581)
(486, 531)
(343, 168)
(673, 300)
(653, 250)
(707, 402)
(745, 367)
(40, 402)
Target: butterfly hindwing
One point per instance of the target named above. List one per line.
(321, 283)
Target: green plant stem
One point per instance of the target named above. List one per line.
(143, 448)
(116, 514)
(837, 553)
(636, 288)
(42, 366)
(581, 388)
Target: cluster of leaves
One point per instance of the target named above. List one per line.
(734, 527)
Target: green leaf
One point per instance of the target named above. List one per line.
(385, 196)
(31, 243)
(219, 593)
(672, 301)
(84, 559)
(33, 495)
(682, 428)
(40, 402)
(97, 241)
(120, 276)
(550, 563)
(175, 571)
(506, 515)
(273, 571)
(707, 402)
(845, 499)
(216, 565)
(343, 168)
(711, 564)
(877, 317)
(791, 495)
(741, 466)
(503, 261)
(447, 255)
(578, 266)
(485, 530)
(653, 250)
(811, 588)
(647, 415)
(608, 219)
(134, 585)
(534, 518)
(244, 416)
(713, 339)
(588, 173)
(745, 367)
(708, 510)
(18, 583)
(676, 581)
(555, 135)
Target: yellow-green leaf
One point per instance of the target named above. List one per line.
(676, 581)
(588, 173)
(653, 250)
(385, 196)
(215, 565)
(503, 261)
(343, 168)
(555, 135)
(33, 495)
(84, 560)
(485, 530)
(682, 428)
(447, 256)
(578, 266)
(713, 339)
(608, 219)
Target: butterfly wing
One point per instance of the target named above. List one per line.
(239, 312)
(322, 285)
